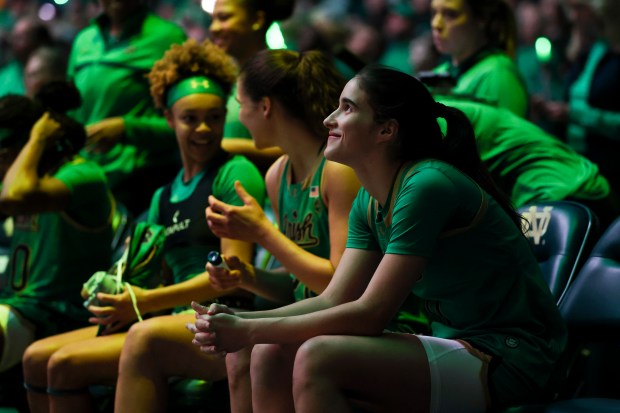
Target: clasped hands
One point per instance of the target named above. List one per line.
(217, 330)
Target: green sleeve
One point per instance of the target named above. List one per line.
(417, 222)
(505, 88)
(603, 122)
(150, 132)
(90, 199)
(360, 234)
(242, 170)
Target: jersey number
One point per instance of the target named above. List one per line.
(19, 267)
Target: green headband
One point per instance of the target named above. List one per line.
(191, 86)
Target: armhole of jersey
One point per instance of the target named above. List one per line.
(322, 187)
(280, 172)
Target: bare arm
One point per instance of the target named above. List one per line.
(119, 310)
(353, 303)
(250, 223)
(23, 190)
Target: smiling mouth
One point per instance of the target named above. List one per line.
(201, 142)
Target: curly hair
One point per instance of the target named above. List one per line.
(189, 59)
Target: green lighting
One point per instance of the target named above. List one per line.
(275, 39)
(61, 1)
(543, 49)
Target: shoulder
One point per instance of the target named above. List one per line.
(160, 27)
(339, 180)
(275, 171)
(81, 170)
(497, 65)
(87, 33)
(431, 178)
(239, 165)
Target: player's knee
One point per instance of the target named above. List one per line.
(266, 359)
(34, 362)
(141, 340)
(313, 357)
(64, 370)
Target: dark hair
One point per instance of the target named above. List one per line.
(19, 113)
(500, 24)
(306, 84)
(395, 95)
(275, 10)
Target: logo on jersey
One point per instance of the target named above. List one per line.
(177, 226)
(538, 223)
(300, 232)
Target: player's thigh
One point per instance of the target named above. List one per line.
(391, 368)
(90, 361)
(165, 340)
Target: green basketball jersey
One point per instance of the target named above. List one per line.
(304, 218)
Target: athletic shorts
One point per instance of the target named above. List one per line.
(458, 376)
(18, 334)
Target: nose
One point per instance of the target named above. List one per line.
(330, 120)
(203, 127)
(436, 21)
(215, 26)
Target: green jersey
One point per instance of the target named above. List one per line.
(233, 128)
(187, 260)
(527, 163)
(12, 79)
(491, 76)
(110, 74)
(481, 284)
(304, 218)
(54, 253)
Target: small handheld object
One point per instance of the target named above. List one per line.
(215, 259)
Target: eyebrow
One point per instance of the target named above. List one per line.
(349, 101)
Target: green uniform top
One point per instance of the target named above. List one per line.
(110, 74)
(481, 284)
(526, 162)
(304, 218)
(583, 118)
(183, 262)
(12, 79)
(233, 128)
(54, 253)
(493, 77)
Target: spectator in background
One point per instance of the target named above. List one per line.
(480, 37)
(530, 165)
(46, 64)
(592, 113)
(541, 56)
(127, 136)
(27, 35)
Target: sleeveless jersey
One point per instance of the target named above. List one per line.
(186, 226)
(304, 218)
